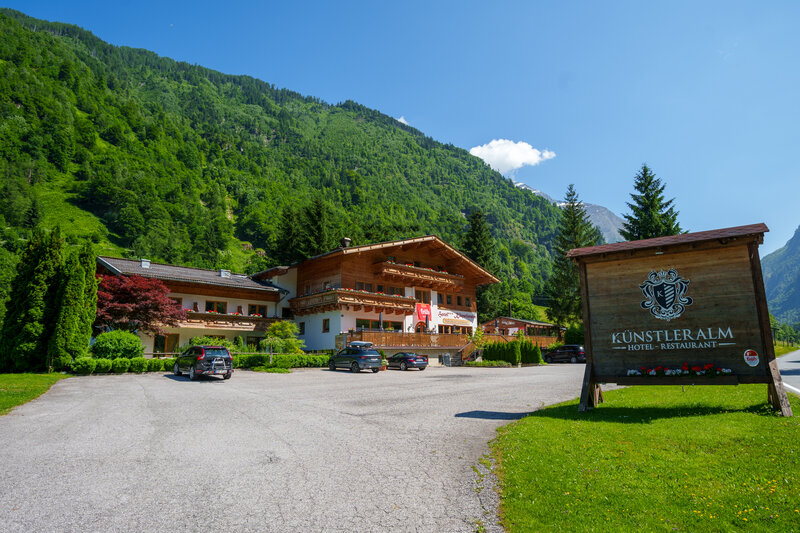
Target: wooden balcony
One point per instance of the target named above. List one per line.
(201, 320)
(352, 300)
(419, 277)
(400, 339)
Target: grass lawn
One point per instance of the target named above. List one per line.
(654, 458)
(16, 389)
(783, 350)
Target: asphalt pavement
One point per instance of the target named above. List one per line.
(789, 366)
(313, 450)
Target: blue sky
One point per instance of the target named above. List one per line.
(706, 93)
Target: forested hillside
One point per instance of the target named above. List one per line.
(782, 281)
(150, 157)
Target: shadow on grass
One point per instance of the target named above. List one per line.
(643, 415)
(492, 415)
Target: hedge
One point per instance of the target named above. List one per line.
(504, 364)
(155, 365)
(280, 360)
(83, 366)
(514, 352)
(103, 366)
(120, 365)
(138, 365)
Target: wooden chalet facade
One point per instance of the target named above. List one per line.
(543, 333)
(410, 294)
(414, 294)
(218, 303)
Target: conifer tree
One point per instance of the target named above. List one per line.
(27, 325)
(478, 242)
(651, 216)
(65, 339)
(316, 219)
(290, 237)
(88, 261)
(574, 231)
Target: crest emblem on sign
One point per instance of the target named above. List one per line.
(665, 294)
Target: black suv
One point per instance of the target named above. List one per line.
(569, 352)
(204, 361)
(356, 357)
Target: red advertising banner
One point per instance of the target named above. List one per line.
(423, 311)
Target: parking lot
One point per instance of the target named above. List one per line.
(314, 450)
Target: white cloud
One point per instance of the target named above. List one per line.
(403, 120)
(506, 156)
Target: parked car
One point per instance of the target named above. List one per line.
(406, 360)
(204, 361)
(569, 352)
(356, 357)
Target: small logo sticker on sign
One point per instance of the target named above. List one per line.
(751, 357)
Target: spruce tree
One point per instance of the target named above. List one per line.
(88, 261)
(574, 231)
(479, 243)
(65, 340)
(651, 216)
(290, 238)
(316, 220)
(27, 325)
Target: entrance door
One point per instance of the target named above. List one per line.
(420, 328)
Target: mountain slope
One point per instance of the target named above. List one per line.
(151, 157)
(603, 218)
(782, 280)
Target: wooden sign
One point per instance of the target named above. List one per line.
(686, 309)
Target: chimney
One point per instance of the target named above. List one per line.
(224, 273)
(346, 242)
(145, 263)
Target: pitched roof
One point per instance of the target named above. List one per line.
(660, 242)
(483, 274)
(185, 274)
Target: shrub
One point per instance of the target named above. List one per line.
(574, 334)
(118, 343)
(62, 363)
(83, 366)
(531, 353)
(211, 341)
(501, 351)
(138, 365)
(236, 361)
(120, 365)
(103, 366)
(504, 364)
(167, 363)
(155, 365)
(272, 370)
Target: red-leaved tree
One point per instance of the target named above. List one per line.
(134, 303)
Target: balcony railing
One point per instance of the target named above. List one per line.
(354, 300)
(397, 339)
(418, 276)
(202, 320)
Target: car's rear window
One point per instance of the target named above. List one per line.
(368, 352)
(216, 352)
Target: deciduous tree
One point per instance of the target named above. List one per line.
(135, 303)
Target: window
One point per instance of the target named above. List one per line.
(379, 288)
(178, 301)
(362, 323)
(449, 299)
(423, 296)
(301, 327)
(326, 285)
(166, 343)
(458, 300)
(359, 285)
(253, 341)
(326, 325)
(308, 289)
(368, 287)
(439, 298)
(216, 307)
(466, 301)
(286, 312)
(257, 309)
(416, 263)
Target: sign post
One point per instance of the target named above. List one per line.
(684, 309)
